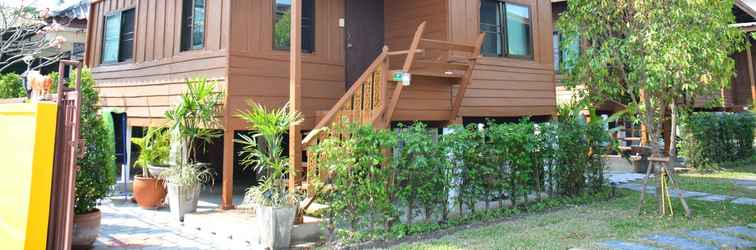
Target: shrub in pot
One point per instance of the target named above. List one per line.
(96, 171)
(149, 191)
(193, 120)
(275, 206)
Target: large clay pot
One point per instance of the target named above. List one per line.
(86, 228)
(275, 225)
(182, 199)
(149, 192)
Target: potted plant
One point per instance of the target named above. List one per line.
(275, 206)
(96, 168)
(149, 191)
(193, 120)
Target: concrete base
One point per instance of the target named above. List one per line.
(239, 227)
(617, 164)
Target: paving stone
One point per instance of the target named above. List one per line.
(686, 194)
(745, 182)
(745, 201)
(715, 198)
(739, 230)
(721, 239)
(678, 242)
(623, 245)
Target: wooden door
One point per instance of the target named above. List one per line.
(364, 36)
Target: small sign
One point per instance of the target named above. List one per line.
(401, 76)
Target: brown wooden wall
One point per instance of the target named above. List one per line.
(258, 72)
(504, 86)
(501, 87)
(146, 87)
(427, 98)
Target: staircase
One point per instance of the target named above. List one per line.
(368, 100)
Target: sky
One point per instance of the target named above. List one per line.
(37, 3)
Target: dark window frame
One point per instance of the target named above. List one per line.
(502, 49)
(188, 27)
(308, 27)
(120, 58)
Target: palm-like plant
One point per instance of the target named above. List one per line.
(263, 152)
(195, 117)
(154, 149)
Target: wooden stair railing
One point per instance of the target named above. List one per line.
(367, 100)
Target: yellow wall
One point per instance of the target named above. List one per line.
(27, 144)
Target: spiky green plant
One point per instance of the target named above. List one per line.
(263, 152)
(154, 149)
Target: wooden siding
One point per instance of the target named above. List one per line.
(501, 87)
(505, 86)
(149, 84)
(259, 73)
(426, 99)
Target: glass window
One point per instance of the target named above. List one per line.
(508, 29)
(282, 25)
(111, 38)
(518, 30)
(564, 57)
(193, 25)
(118, 37)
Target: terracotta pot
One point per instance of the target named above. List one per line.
(86, 228)
(149, 192)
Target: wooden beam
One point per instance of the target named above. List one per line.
(228, 169)
(750, 71)
(466, 79)
(406, 68)
(295, 92)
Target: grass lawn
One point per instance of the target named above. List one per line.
(584, 226)
(720, 182)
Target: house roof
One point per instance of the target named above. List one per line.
(748, 6)
(73, 10)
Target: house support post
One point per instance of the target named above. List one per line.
(295, 91)
(228, 169)
(750, 71)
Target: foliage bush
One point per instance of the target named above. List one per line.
(97, 167)
(491, 163)
(361, 193)
(11, 86)
(710, 139)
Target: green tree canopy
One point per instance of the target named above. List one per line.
(669, 50)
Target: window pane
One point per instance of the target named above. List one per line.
(111, 38)
(186, 24)
(556, 40)
(489, 24)
(126, 41)
(518, 30)
(282, 25)
(570, 53)
(198, 26)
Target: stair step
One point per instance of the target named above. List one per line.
(441, 66)
(450, 45)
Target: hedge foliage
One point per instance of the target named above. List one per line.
(97, 169)
(11, 86)
(495, 162)
(710, 139)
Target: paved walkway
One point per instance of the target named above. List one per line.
(734, 237)
(625, 181)
(125, 228)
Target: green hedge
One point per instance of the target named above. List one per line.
(710, 139)
(491, 163)
(11, 86)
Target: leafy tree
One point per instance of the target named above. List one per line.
(11, 86)
(649, 54)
